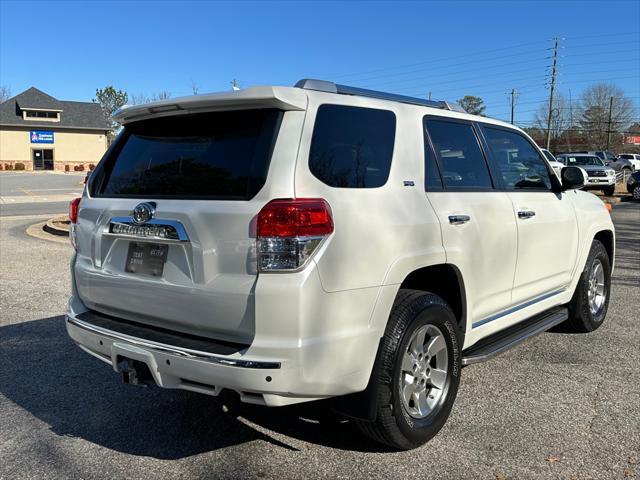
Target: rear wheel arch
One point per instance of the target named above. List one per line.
(446, 281)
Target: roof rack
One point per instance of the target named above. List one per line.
(331, 87)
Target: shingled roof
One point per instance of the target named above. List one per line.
(80, 115)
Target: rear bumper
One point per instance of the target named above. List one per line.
(322, 348)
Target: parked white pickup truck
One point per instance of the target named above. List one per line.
(300, 243)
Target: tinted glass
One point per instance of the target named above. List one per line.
(432, 179)
(520, 165)
(461, 160)
(211, 155)
(352, 147)
(549, 155)
(583, 160)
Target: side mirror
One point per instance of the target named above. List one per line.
(573, 178)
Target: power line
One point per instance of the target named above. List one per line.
(475, 54)
(621, 34)
(511, 80)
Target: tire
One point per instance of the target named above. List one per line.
(636, 192)
(399, 423)
(608, 191)
(583, 316)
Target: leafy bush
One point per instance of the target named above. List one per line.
(19, 166)
(9, 166)
(91, 167)
(67, 168)
(81, 168)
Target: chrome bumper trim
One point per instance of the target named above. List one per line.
(170, 349)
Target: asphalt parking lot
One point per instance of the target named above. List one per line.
(559, 406)
(30, 193)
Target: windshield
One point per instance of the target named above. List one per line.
(221, 155)
(583, 161)
(626, 157)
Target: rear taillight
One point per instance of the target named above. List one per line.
(73, 210)
(289, 231)
(74, 206)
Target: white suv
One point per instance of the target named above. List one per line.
(294, 244)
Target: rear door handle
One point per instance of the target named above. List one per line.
(458, 219)
(526, 214)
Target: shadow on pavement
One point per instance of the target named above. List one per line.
(45, 373)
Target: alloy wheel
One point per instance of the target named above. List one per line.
(423, 374)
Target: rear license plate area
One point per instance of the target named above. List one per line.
(146, 258)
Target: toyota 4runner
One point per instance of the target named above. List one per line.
(300, 243)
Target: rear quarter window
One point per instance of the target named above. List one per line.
(217, 155)
(352, 147)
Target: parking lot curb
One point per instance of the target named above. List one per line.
(53, 227)
(38, 231)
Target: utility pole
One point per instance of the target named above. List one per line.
(553, 86)
(429, 95)
(609, 123)
(514, 95)
(570, 122)
(234, 85)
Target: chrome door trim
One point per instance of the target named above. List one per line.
(511, 310)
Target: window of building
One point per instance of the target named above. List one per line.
(40, 114)
(520, 165)
(352, 147)
(461, 160)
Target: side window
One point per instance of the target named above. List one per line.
(519, 163)
(352, 147)
(461, 160)
(432, 180)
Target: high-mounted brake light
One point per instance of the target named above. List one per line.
(290, 230)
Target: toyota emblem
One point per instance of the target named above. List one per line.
(143, 213)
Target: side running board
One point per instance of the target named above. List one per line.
(510, 337)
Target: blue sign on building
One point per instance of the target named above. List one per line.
(41, 136)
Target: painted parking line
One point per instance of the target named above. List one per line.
(38, 198)
(26, 192)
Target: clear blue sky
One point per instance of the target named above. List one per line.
(68, 49)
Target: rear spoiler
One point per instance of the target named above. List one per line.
(282, 98)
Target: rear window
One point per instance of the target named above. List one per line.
(352, 147)
(219, 155)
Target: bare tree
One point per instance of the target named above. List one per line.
(5, 93)
(560, 118)
(596, 120)
(161, 95)
(140, 98)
